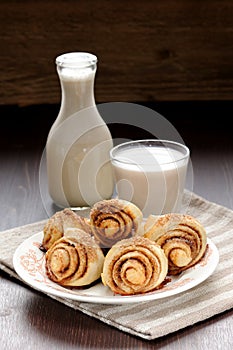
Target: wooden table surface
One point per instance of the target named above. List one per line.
(31, 320)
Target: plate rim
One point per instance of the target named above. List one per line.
(112, 299)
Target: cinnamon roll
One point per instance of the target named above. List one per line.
(182, 237)
(113, 220)
(74, 260)
(59, 222)
(134, 265)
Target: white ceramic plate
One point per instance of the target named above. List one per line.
(29, 263)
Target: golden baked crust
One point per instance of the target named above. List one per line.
(182, 237)
(113, 220)
(59, 222)
(75, 259)
(134, 265)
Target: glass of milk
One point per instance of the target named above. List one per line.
(151, 174)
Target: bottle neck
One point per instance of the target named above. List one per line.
(77, 91)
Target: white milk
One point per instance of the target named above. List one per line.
(78, 164)
(151, 177)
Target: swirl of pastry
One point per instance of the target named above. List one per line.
(59, 222)
(113, 220)
(134, 265)
(74, 260)
(182, 237)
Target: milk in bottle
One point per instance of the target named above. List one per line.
(77, 149)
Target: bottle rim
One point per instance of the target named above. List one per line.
(76, 59)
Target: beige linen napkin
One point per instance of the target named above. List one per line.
(153, 319)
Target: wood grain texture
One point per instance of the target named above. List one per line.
(150, 51)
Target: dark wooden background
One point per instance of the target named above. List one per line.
(148, 50)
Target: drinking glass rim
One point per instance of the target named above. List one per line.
(160, 142)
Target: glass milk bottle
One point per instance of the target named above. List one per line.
(78, 145)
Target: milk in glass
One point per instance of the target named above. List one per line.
(151, 174)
